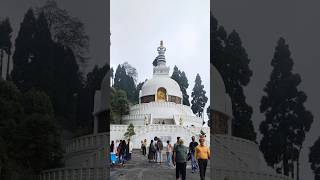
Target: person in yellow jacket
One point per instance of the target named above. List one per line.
(202, 154)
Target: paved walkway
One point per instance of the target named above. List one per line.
(139, 168)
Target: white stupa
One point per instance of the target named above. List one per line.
(160, 111)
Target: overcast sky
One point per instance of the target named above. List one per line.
(138, 26)
(260, 24)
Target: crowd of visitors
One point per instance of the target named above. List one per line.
(176, 155)
(122, 150)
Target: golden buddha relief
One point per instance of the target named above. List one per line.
(161, 94)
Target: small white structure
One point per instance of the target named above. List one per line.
(160, 112)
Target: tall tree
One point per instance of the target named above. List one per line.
(314, 159)
(112, 76)
(49, 66)
(124, 80)
(24, 51)
(131, 71)
(119, 105)
(39, 134)
(232, 62)
(209, 116)
(139, 87)
(286, 119)
(27, 122)
(181, 78)
(199, 97)
(66, 30)
(85, 101)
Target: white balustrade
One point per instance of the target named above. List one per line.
(94, 173)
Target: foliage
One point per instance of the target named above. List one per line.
(209, 114)
(29, 135)
(181, 79)
(232, 62)
(199, 97)
(41, 63)
(130, 131)
(125, 80)
(66, 30)
(119, 105)
(314, 159)
(286, 119)
(85, 100)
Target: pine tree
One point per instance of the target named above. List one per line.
(286, 119)
(232, 62)
(314, 159)
(24, 51)
(199, 97)
(66, 30)
(209, 116)
(181, 79)
(139, 87)
(41, 63)
(112, 76)
(124, 80)
(119, 105)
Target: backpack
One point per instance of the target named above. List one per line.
(152, 149)
(160, 145)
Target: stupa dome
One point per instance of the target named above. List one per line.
(150, 87)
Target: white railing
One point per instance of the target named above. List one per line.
(244, 149)
(224, 157)
(94, 173)
(221, 174)
(87, 142)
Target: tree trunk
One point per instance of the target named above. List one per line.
(298, 164)
(1, 61)
(8, 67)
(292, 169)
(285, 164)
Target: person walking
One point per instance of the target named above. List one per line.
(141, 147)
(174, 147)
(169, 153)
(151, 152)
(180, 159)
(111, 150)
(192, 146)
(144, 147)
(202, 154)
(121, 152)
(116, 146)
(159, 150)
(156, 149)
(130, 148)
